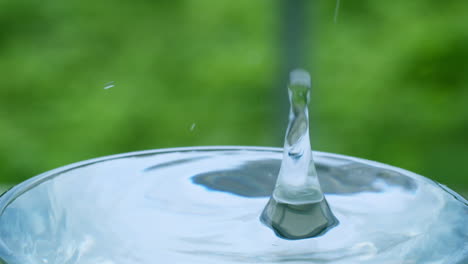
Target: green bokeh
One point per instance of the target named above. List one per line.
(390, 80)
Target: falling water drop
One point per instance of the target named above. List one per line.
(298, 209)
(109, 85)
(192, 127)
(337, 10)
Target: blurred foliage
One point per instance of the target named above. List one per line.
(390, 80)
(393, 81)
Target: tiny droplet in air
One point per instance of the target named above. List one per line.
(109, 85)
(192, 127)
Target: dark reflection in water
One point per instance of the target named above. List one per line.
(258, 178)
(252, 179)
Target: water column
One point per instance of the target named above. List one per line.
(297, 208)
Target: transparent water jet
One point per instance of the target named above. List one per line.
(298, 209)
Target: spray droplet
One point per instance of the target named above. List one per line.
(297, 208)
(337, 10)
(192, 127)
(109, 85)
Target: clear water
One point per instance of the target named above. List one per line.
(298, 209)
(202, 205)
(299, 218)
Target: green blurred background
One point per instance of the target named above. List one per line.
(390, 79)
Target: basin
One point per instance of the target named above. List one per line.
(203, 205)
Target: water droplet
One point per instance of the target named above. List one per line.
(109, 85)
(337, 10)
(192, 127)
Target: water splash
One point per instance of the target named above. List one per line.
(298, 208)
